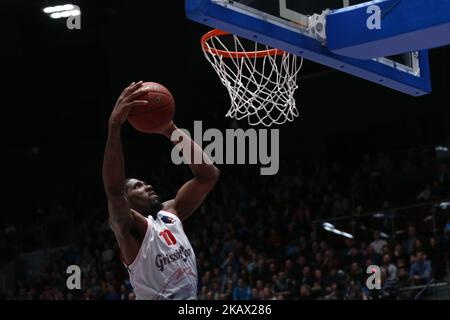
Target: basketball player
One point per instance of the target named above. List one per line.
(153, 245)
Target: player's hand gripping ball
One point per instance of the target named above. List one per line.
(157, 115)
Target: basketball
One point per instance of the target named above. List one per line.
(157, 114)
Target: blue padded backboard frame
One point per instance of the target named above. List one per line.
(247, 26)
(404, 26)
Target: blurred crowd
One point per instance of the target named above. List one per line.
(256, 238)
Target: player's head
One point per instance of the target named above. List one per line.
(142, 196)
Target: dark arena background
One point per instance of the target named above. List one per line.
(363, 177)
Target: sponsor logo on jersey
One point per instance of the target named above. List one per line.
(163, 260)
(167, 219)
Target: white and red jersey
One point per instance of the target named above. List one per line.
(165, 267)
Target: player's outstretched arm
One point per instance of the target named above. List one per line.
(113, 171)
(192, 193)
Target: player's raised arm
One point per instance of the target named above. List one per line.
(113, 170)
(192, 193)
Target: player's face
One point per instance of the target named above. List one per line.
(141, 193)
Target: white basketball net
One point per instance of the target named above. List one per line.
(260, 88)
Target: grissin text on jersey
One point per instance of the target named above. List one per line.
(163, 260)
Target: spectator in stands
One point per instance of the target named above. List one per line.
(436, 255)
(241, 291)
(354, 256)
(203, 293)
(403, 277)
(305, 292)
(420, 272)
(290, 271)
(331, 292)
(229, 275)
(255, 294)
(267, 294)
(418, 246)
(371, 255)
(123, 292)
(356, 273)
(389, 286)
(391, 269)
(398, 253)
(377, 244)
(410, 242)
(307, 278)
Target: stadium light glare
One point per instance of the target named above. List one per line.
(441, 148)
(344, 234)
(62, 11)
(75, 12)
(341, 233)
(378, 215)
(68, 7)
(384, 235)
(444, 205)
(55, 15)
(331, 228)
(328, 225)
(65, 14)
